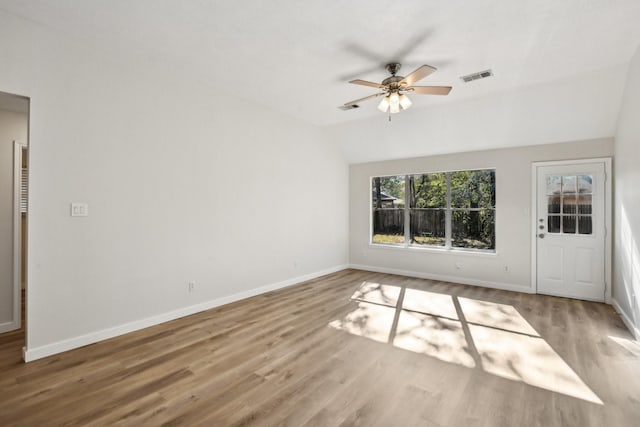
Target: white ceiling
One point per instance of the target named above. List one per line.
(297, 56)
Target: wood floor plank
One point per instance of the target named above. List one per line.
(313, 355)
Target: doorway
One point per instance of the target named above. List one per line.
(14, 135)
(571, 249)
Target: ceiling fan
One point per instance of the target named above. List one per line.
(395, 88)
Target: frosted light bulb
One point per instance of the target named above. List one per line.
(405, 102)
(394, 99)
(384, 104)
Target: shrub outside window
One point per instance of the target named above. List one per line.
(452, 210)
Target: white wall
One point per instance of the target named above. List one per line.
(583, 107)
(13, 126)
(513, 215)
(183, 183)
(626, 290)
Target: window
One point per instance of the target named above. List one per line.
(444, 209)
(569, 204)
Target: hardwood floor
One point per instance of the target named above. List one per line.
(350, 348)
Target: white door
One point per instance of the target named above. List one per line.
(570, 230)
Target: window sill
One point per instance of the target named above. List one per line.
(435, 250)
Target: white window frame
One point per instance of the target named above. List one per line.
(448, 216)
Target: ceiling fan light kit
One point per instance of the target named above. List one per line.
(384, 104)
(405, 102)
(394, 89)
(394, 103)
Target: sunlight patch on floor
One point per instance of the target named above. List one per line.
(629, 345)
(368, 320)
(429, 303)
(472, 333)
(434, 336)
(377, 293)
(495, 315)
(528, 359)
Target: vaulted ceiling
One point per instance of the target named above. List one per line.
(297, 56)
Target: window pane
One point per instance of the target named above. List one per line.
(585, 183)
(568, 184)
(554, 184)
(391, 190)
(387, 198)
(553, 204)
(473, 189)
(569, 204)
(388, 225)
(473, 229)
(428, 227)
(584, 204)
(428, 190)
(553, 224)
(584, 225)
(569, 224)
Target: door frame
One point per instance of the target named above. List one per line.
(607, 218)
(16, 322)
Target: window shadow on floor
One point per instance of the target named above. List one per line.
(489, 336)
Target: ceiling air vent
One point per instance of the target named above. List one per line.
(477, 76)
(348, 107)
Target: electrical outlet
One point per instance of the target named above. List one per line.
(506, 268)
(79, 209)
(192, 286)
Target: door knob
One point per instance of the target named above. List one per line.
(541, 235)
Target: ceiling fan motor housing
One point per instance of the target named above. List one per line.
(393, 68)
(393, 82)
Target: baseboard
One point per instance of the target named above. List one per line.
(626, 320)
(8, 326)
(453, 279)
(31, 354)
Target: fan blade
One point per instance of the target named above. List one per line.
(366, 83)
(430, 90)
(366, 98)
(419, 74)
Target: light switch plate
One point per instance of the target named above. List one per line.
(79, 209)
